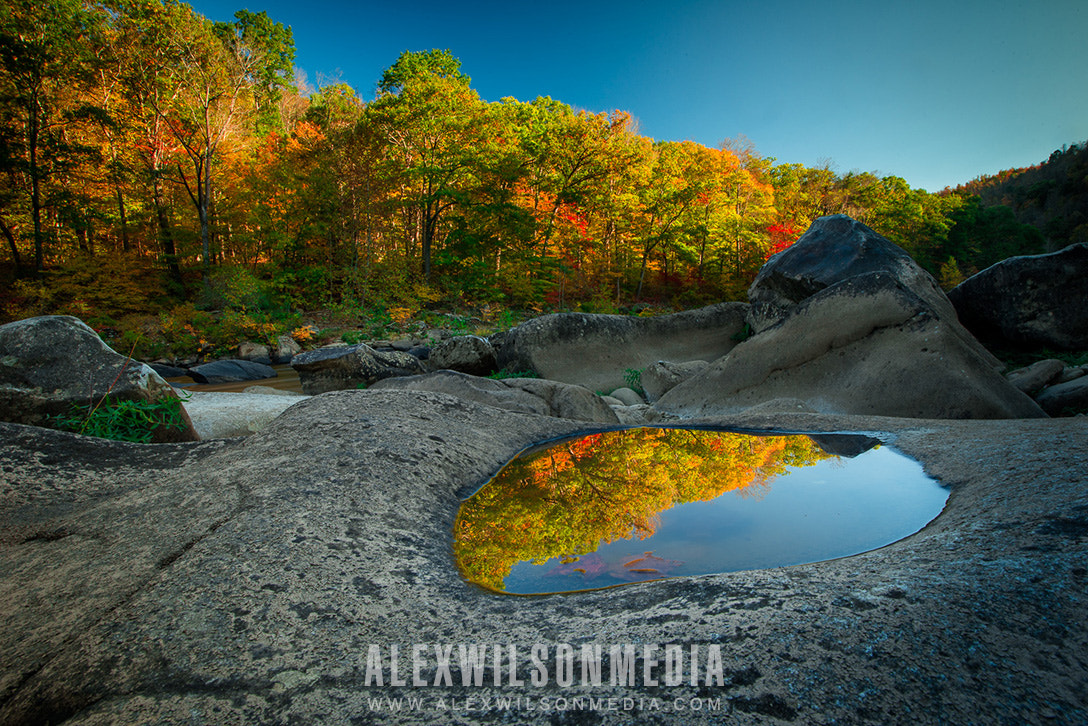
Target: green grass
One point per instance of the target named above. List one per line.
(633, 378)
(124, 420)
(500, 375)
(1019, 359)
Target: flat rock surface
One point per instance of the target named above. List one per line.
(223, 415)
(247, 581)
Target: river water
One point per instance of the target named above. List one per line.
(286, 380)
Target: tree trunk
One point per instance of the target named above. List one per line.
(35, 189)
(124, 218)
(10, 236)
(166, 234)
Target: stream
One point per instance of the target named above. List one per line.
(286, 380)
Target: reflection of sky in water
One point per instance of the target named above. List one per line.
(835, 508)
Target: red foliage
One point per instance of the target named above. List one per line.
(783, 235)
(569, 213)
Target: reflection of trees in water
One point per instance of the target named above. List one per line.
(566, 500)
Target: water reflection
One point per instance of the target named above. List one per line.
(642, 504)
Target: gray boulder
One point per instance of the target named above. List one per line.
(466, 353)
(1033, 378)
(231, 371)
(1070, 373)
(1065, 399)
(49, 363)
(286, 349)
(524, 395)
(595, 351)
(867, 345)
(663, 376)
(835, 248)
(345, 367)
(255, 352)
(1033, 301)
(627, 397)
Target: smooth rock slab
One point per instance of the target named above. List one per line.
(525, 395)
(224, 415)
(597, 351)
(866, 346)
(246, 581)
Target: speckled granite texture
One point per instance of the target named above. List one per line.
(247, 581)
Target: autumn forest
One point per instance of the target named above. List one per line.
(162, 170)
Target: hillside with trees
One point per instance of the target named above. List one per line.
(165, 177)
(1051, 196)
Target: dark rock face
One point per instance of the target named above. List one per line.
(525, 395)
(345, 367)
(231, 371)
(834, 249)
(49, 363)
(595, 351)
(867, 345)
(247, 581)
(465, 353)
(1034, 301)
(168, 371)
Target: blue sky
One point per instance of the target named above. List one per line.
(935, 91)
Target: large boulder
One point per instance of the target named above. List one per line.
(835, 248)
(256, 352)
(1036, 301)
(524, 395)
(50, 363)
(231, 371)
(867, 345)
(339, 368)
(470, 354)
(1065, 399)
(663, 376)
(1033, 378)
(286, 349)
(596, 351)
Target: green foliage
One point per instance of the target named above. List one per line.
(950, 274)
(186, 330)
(981, 236)
(633, 378)
(234, 288)
(124, 420)
(1014, 359)
(352, 337)
(504, 374)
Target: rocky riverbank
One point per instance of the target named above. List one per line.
(248, 582)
